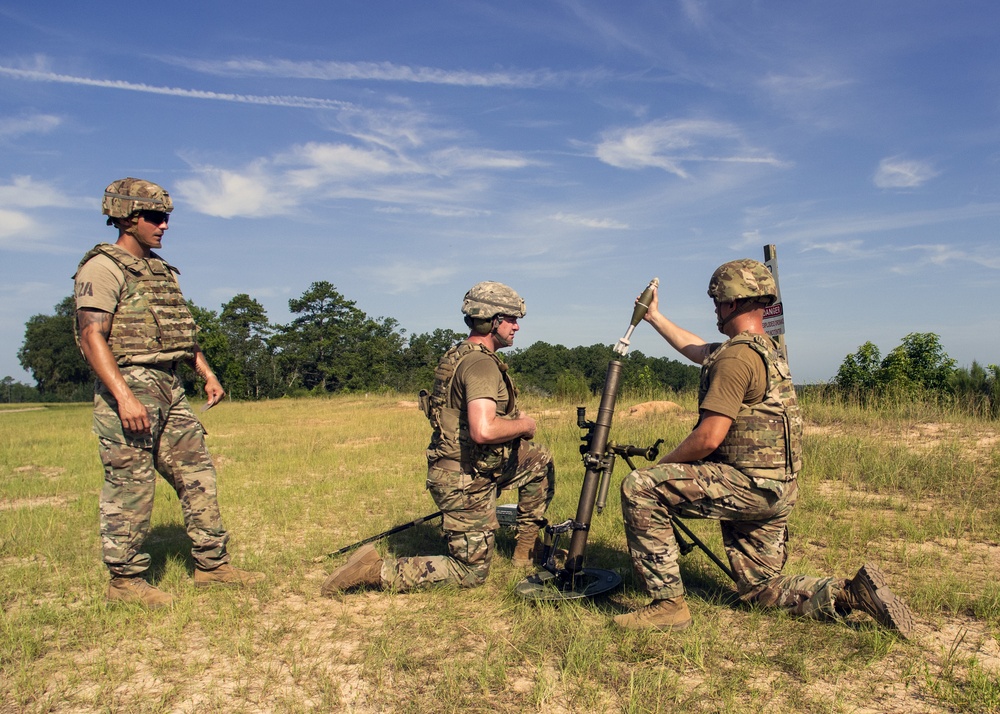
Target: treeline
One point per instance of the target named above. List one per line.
(329, 346)
(919, 368)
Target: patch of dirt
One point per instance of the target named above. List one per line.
(648, 408)
(921, 437)
(13, 504)
(47, 471)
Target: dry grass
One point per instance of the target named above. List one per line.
(300, 478)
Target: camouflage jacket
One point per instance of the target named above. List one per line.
(451, 439)
(765, 440)
(152, 317)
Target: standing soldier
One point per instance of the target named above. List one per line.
(738, 466)
(134, 329)
(480, 446)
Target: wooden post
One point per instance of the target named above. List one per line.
(774, 316)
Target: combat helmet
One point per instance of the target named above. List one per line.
(126, 196)
(487, 299)
(742, 279)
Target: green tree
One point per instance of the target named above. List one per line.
(332, 345)
(215, 345)
(860, 371)
(920, 360)
(50, 354)
(244, 323)
(977, 389)
(17, 392)
(421, 356)
(918, 363)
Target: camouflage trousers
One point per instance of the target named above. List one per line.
(754, 523)
(468, 501)
(176, 450)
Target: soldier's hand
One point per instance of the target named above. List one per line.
(134, 416)
(654, 302)
(529, 427)
(214, 392)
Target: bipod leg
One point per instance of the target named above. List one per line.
(677, 523)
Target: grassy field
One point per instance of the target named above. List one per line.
(909, 488)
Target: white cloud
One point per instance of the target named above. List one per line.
(267, 100)
(224, 193)
(602, 223)
(671, 144)
(406, 277)
(457, 158)
(13, 127)
(14, 225)
(388, 72)
(322, 163)
(895, 172)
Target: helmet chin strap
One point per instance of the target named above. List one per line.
(721, 322)
(496, 335)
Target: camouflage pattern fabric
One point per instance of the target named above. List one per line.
(744, 279)
(125, 196)
(152, 316)
(765, 439)
(469, 504)
(754, 531)
(176, 449)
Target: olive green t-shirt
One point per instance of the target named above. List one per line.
(738, 377)
(478, 377)
(99, 284)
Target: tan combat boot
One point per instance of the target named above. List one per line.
(868, 591)
(528, 548)
(225, 575)
(136, 589)
(362, 568)
(669, 615)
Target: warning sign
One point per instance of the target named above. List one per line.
(774, 320)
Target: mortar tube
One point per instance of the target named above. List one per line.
(591, 479)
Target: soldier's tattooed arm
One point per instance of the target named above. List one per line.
(687, 343)
(95, 329)
(213, 388)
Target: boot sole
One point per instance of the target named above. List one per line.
(880, 602)
(360, 561)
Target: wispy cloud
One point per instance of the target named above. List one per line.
(896, 172)
(277, 101)
(436, 183)
(672, 144)
(388, 72)
(585, 222)
(785, 84)
(405, 277)
(940, 254)
(13, 127)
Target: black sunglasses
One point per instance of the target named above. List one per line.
(155, 217)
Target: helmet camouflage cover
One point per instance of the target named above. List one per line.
(488, 299)
(742, 279)
(128, 195)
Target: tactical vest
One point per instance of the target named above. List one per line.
(451, 439)
(152, 317)
(765, 440)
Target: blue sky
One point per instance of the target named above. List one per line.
(404, 151)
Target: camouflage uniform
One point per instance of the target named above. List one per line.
(748, 484)
(464, 479)
(152, 331)
(176, 449)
